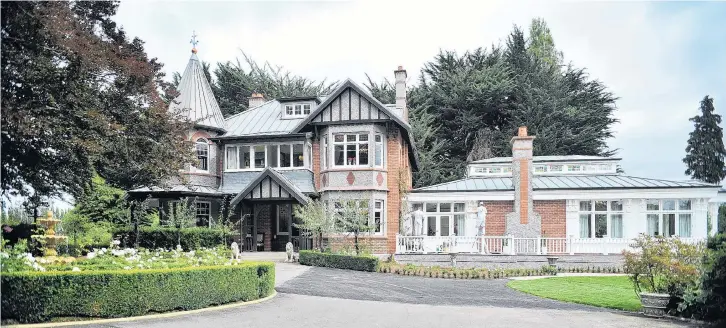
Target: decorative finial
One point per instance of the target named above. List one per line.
(194, 41)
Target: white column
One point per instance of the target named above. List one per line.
(634, 218)
(572, 223)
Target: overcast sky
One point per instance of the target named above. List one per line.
(659, 58)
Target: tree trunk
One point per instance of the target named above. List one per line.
(355, 241)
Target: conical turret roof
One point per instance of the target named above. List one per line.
(196, 98)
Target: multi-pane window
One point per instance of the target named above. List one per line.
(261, 156)
(351, 149)
(669, 217)
(283, 216)
(297, 110)
(204, 211)
(574, 168)
(444, 219)
(202, 154)
(379, 149)
(601, 218)
(378, 216)
(324, 157)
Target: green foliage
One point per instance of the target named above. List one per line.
(236, 81)
(710, 302)
(468, 106)
(353, 217)
(169, 237)
(721, 219)
(705, 151)
(338, 261)
(102, 203)
(72, 106)
(608, 292)
(314, 219)
(40, 296)
(663, 265)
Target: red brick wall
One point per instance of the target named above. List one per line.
(553, 217)
(523, 191)
(375, 245)
(316, 164)
(496, 216)
(394, 165)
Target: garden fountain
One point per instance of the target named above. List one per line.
(49, 239)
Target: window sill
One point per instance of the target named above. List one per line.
(262, 169)
(354, 168)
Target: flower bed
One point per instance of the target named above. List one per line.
(481, 273)
(40, 296)
(339, 261)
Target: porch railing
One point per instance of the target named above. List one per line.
(514, 246)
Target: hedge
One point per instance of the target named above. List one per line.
(164, 237)
(41, 296)
(338, 261)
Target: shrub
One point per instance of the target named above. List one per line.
(712, 297)
(350, 262)
(166, 237)
(663, 265)
(40, 296)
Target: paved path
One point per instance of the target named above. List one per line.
(329, 298)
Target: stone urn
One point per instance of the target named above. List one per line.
(654, 304)
(552, 261)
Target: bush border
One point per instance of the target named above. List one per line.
(339, 261)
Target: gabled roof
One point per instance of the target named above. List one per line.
(196, 99)
(562, 182)
(393, 115)
(279, 179)
(568, 158)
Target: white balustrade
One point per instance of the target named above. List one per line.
(509, 245)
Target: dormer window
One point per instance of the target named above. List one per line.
(297, 110)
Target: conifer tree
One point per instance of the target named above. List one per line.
(705, 151)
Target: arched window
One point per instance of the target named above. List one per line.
(202, 154)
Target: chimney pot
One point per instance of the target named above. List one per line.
(522, 131)
(256, 99)
(400, 85)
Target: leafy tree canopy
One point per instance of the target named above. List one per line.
(705, 151)
(78, 96)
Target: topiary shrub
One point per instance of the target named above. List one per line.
(338, 261)
(40, 296)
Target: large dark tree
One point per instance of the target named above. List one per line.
(474, 102)
(78, 96)
(705, 151)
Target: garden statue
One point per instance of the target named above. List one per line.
(235, 251)
(289, 250)
(418, 225)
(481, 215)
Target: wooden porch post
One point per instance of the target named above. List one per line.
(254, 228)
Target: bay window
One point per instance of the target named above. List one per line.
(376, 215)
(351, 149)
(668, 217)
(600, 218)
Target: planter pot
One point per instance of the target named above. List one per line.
(552, 261)
(654, 305)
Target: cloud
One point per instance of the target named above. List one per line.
(643, 51)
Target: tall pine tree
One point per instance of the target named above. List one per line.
(705, 151)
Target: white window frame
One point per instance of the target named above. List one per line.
(324, 156)
(289, 209)
(438, 214)
(382, 211)
(677, 211)
(345, 143)
(249, 148)
(209, 214)
(290, 110)
(609, 212)
(382, 144)
(199, 142)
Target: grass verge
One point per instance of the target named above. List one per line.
(608, 292)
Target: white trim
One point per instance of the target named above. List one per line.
(196, 212)
(574, 194)
(357, 144)
(205, 142)
(250, 150)
(292, 105)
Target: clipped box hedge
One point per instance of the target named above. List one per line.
(338, 261)
(41, 296)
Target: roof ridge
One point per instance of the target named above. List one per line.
(674, 181)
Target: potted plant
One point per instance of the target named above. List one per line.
(661, 269)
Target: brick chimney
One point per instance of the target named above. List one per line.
(522, 174)
(401, 76)
(255, 100)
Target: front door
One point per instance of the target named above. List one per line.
(282, 226)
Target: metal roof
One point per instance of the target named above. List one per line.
(568, 158)
(265, 119)
(602, 181)
(234, 182)
(178, 188)
(196, 99)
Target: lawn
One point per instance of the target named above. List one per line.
(608, 292)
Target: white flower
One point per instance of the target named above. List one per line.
(91, 255)
(4, 255)
(116, 242)
(127, 268)
(76, 269)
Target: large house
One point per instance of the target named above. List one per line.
(350, 146)
(346, 146)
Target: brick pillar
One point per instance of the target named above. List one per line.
(393, 165)
(522, 174)
(316, 163)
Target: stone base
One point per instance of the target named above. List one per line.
(532, 229)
